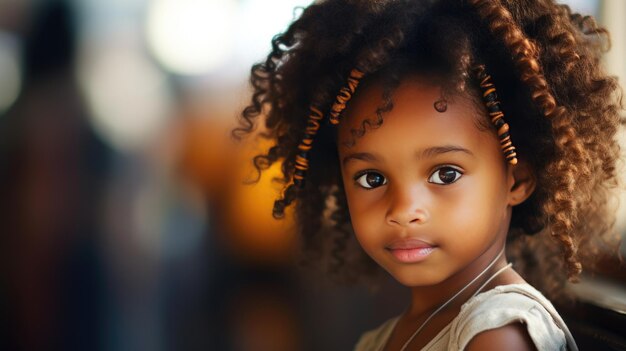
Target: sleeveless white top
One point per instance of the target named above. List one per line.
(495, 308)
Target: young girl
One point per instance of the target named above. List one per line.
(443, 132)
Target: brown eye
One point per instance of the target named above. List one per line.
(370, 180)
(445, 175)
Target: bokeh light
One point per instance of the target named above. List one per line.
(128, 95)
(267, 19)
(10, 70)
(191, 36)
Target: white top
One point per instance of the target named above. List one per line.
(495, 308)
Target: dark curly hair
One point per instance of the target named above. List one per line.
(563, 110)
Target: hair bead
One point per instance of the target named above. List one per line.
(312, 126)
(490, 99)
(302, 163)
(498, 122)
(345, 94)
(314, 122)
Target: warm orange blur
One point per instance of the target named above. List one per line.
(125, 220)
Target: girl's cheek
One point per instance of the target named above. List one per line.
(364, 208)
(352, 198)
(359, 197)
(361, 204)
(461, 203)
(475, 207)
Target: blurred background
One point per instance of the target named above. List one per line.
(124, 224)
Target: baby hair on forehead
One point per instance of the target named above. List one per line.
(532, 66)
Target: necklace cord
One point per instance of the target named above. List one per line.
(459, 293)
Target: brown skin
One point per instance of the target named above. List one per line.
(466, 219)
(512, 337)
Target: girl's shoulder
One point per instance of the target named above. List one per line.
(507, 304)
(492, 309)
(375, 339)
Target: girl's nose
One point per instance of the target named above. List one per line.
(407, 208)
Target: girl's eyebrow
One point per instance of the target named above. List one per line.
(429, 153)
(438, 150)
(364, 156)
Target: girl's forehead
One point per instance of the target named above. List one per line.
(413, 116)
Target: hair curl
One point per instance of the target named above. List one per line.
(562, 107)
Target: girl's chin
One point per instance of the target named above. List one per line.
(412, 280)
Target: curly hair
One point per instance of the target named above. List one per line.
(545, 60)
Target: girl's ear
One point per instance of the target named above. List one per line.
(522, 182)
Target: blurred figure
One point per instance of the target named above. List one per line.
(51, 169)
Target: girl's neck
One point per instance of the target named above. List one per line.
(425, 299)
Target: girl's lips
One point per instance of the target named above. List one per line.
(412, 255)
(410, 250)
(409, 243)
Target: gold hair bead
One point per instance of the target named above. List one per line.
(490, 98)
(345, 94)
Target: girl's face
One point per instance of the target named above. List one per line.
(428, 192)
